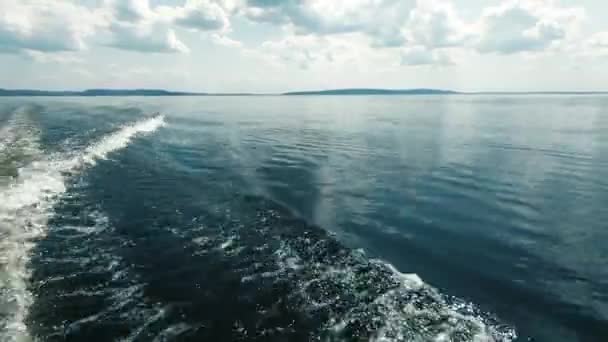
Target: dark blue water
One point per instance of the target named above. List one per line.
(388, 218)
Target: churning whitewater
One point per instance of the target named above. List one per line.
(32, 183)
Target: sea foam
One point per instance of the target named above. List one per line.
(26, 204)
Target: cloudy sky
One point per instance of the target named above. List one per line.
(280, 45)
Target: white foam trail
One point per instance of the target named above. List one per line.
(18, 143)
(402, 308)
(460, 315)
(120, 139)
(25, 207)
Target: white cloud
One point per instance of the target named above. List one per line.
(380, 19)
(524, 26)
(329, 37)
(347, 51)
(130, 10)
(149, 37)
(136, 27)
(302, 51)
(419, 55)
(511, 27)
(599, 40)
(225, 41)
(436, 23)
(58, 57)
(203, 15)
(45, 25)
(315, 16)
(306, 51)
(594, 46)
(420, 26)
(370, 28)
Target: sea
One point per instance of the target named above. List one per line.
(304, 218)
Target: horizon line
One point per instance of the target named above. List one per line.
(5, 92)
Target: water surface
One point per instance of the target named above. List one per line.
(414, 218)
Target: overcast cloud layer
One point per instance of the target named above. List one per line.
(276, 45)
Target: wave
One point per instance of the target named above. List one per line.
(308, 286)
(18, 143)
(26, 204)
(81, 279)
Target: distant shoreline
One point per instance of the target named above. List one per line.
(330, 92)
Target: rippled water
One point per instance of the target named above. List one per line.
(389, 218)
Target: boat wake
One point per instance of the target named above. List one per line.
(34, 183)
(18, 143)
(241, 267)
(297, 282)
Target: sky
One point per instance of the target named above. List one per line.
(284, 45)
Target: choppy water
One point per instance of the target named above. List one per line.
(442, 218)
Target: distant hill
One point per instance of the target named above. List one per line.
(349, 91)
(161, 92)
(31, 92)
(96, 92)
(374, 91)
(135, 92)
